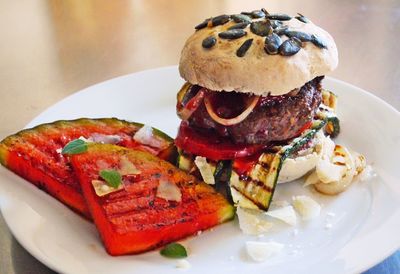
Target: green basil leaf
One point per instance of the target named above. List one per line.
(174, 250)
(75, 147)
(112, 177)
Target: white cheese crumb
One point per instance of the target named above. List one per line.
(261, 251)
(328, 226)
(205, 170)
(251, 222)
(285, 214)
(183, 264)
(105, 188)
(126, 167)
(199, 232)
(312, 179)
(169, 191)
(101, 188)
(306, 207)
(59, 150)
(145, 136)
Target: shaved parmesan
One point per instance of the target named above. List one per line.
(306, 207)
(101, 188)
(145, 136)
(312, 179)
(285, 214)
(252, 222)
(205, 170)
(126, 167)
(169, 191)
(261, 251)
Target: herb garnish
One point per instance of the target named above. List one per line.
(112, 177)
(75, 147)
(174, 250)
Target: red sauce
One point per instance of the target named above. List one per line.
(242, 166)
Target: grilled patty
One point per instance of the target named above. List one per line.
(276, 118)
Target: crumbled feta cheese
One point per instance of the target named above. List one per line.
(251, 222)
(306, 207)
(59, 150)
(101, 188)
(285, 214)
(145, 136)
(182, 263)
(261, 251)
(205, 170)
(328, 226)
(169, 191)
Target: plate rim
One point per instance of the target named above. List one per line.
(49, 263)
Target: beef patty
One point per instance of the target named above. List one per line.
(275, 118)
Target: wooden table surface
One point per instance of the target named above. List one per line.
(51, 49)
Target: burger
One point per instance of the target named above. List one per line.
(253, 109)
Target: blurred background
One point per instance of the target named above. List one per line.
(51, 49)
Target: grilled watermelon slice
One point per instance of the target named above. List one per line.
(35, 154)
(138, 217)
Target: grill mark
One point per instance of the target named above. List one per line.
(339, 163)
(259, 205)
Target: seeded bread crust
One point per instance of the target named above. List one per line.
(220, 69)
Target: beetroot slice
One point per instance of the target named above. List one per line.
(34, 154)
(135, 219)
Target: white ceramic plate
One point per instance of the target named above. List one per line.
(365, 226)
